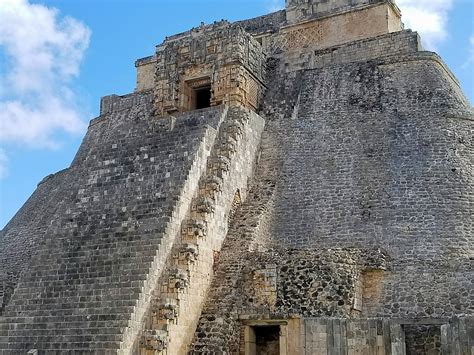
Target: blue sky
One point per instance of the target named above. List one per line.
(58, 57)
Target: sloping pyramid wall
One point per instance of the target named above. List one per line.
(97, 234)
(380, 154)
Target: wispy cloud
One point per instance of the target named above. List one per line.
(275, 5)
(429, 18)
(41, 53)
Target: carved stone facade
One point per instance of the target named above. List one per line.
(222, 58)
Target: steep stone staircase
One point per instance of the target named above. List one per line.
(176, 306)
(89, 278)
(249, 230)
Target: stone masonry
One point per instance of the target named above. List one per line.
(297, 183)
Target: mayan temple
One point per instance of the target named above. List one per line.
(296, 183)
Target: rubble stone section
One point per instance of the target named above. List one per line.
(280, 284)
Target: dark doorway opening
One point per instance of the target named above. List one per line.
(422, 339)
(203, 97)
(267, 339)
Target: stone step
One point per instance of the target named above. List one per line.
(69, 305)
(156, 340)
(210, 185)
(187, 255)
(227, 147)
(178, 281)
(107, 259)
(234, 129)
(78, 334)
(20, 346)
(61, 315)
(193, 230)
(218, 165)
(174, 290)
(33, 297)
(45, 339)
(203, 205)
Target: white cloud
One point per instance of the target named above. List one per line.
(43, 52)
(428, 17)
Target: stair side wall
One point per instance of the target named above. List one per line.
(235, 180)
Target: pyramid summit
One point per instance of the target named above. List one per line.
(296, 183)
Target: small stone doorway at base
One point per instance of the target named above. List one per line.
(423, 339)
(267, 340)
(263, 340)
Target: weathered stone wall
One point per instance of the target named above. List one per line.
(24, 233)
(338, 28)
(299, 11)
(345, 336)
(393, 44)
(366, 140)
(146, 68)
(382, 336)
(264, 24)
